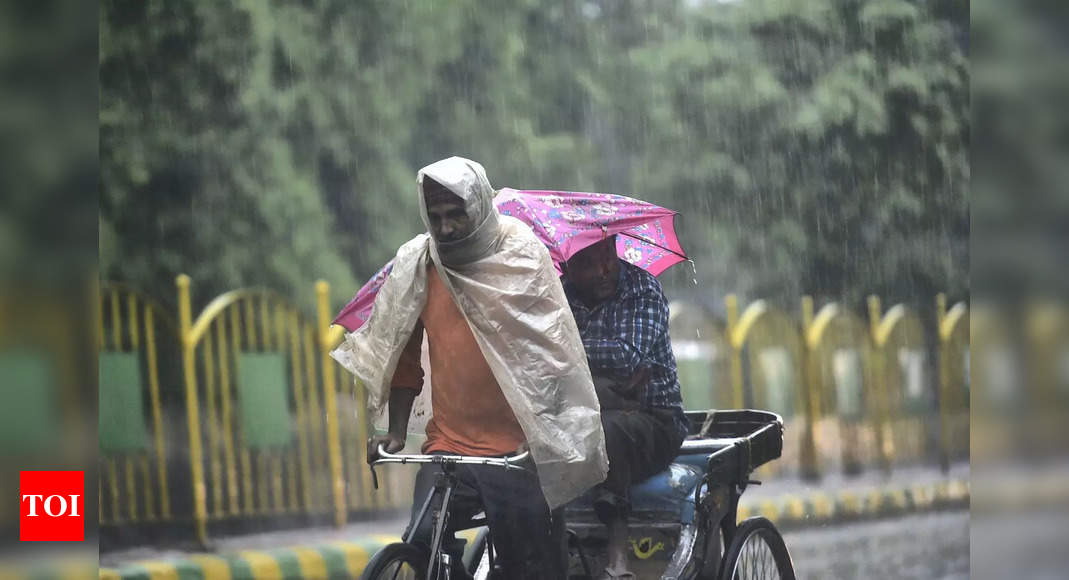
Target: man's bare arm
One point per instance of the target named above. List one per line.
(400, 410)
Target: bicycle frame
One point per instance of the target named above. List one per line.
(731, 467)
(445, 485)
(729, 446)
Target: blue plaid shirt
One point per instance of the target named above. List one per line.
(630, 331)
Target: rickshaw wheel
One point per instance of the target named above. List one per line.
(757, 552)
(397, 561)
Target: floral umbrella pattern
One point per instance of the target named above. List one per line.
(567, 222)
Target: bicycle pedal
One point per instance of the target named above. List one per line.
(753, 482)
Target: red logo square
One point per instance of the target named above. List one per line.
(51, 506)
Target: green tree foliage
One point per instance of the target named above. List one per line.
(196, 175)
(825, 142)
(814, 146)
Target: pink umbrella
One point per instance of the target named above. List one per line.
(356, 312)
(566, 222)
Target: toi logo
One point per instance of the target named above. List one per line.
(51, 506)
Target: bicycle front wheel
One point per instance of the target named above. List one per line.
(397, 562)
(757, 552)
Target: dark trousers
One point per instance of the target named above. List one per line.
(639, 444)
(526, 536)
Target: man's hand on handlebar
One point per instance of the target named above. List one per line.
(392, 444)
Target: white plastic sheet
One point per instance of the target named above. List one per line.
(503, 281)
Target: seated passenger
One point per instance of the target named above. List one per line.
(622, 316)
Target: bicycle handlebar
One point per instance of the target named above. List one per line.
(503, 462)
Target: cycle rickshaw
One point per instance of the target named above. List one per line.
(683, 524)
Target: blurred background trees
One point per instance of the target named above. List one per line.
(816, 146)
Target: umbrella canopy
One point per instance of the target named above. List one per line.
(566, 222)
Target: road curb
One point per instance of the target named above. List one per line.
(341, 560)
(64, 569)
(330, 561)
(333, 560)
(800, 510)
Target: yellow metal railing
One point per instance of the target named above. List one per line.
(44, 365)
(841, 382)
(134, 485)
(838, 357)
(321, 470)
(900, 349)
(333, 443)
(879, 363)
(765, 342)
(236, 478)
(953, 330)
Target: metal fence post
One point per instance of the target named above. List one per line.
(884, 436)
(329, 401)
(944, 382)
(731, 303)
(809, 462)
(200, 511)
(157, 413)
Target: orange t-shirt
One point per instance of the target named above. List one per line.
(470, 414)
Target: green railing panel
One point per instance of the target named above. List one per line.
(916, 395)
(262, 399)
(121, 412)
(777, 367)
(847, 373)
(28, 418)
(697, 384)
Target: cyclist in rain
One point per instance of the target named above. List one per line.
(506, 364)
(622, 315)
